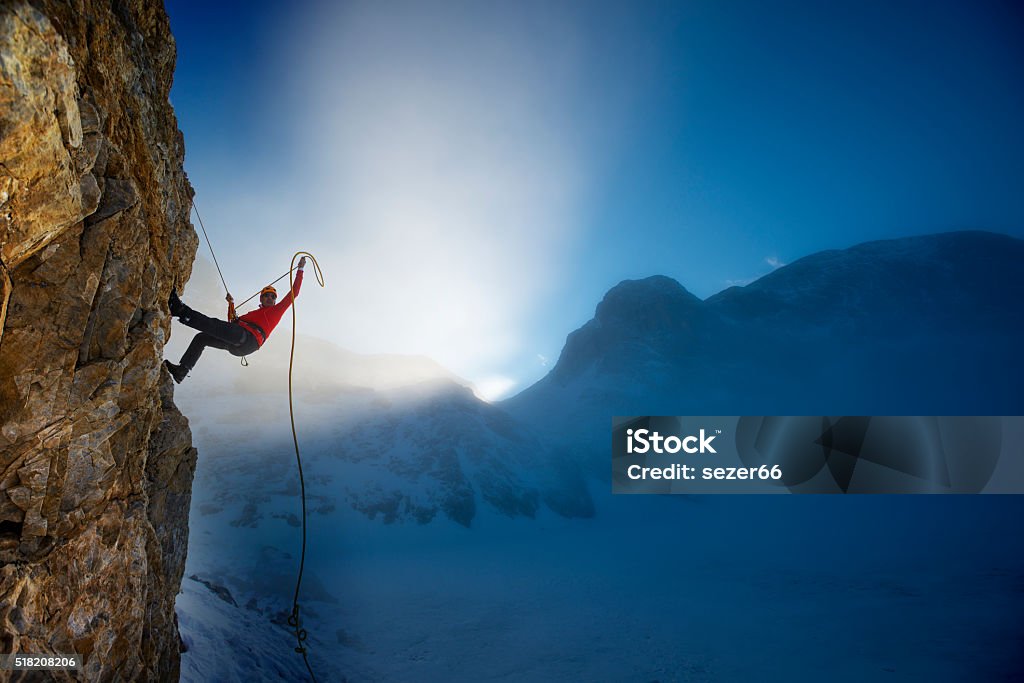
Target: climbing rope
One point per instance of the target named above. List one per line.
(215, 263)
(294, 621)
(258, 292)
(210, 245)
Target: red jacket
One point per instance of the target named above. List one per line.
(267, 317)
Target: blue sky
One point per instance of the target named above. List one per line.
(474, 176)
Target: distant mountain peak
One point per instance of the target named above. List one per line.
(937, 292)
(656, 313)
(658, 294)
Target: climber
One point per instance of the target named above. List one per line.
(240, 336)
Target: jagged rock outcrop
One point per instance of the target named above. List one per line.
(96, 463)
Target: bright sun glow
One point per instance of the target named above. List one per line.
(493, 388)
(445, 189)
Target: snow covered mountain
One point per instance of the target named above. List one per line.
(457, 538)
(921, 325)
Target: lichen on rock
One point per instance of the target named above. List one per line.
(96, 462)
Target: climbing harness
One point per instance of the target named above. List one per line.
(294, 619)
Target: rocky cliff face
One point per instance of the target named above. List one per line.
(96, 462)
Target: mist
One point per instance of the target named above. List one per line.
(442, 175)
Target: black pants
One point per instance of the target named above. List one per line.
(219, 334)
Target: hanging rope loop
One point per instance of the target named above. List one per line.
(294, 621)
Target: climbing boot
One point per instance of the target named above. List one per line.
(174, 303)
(178, 372)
